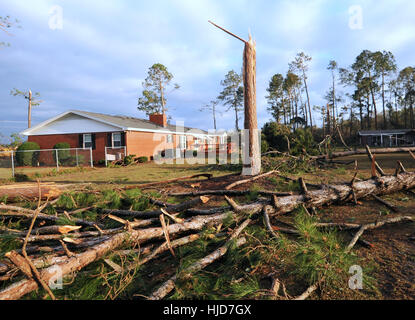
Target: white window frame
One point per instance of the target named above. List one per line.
(183, 142)
(84, 142)
(113, 140)
(169, 138)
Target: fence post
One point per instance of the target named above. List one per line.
(106, 162)
(57, 160)
(92, 161)
(12, 164)
(125, 151)
(76, 155)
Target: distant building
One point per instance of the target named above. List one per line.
(388, 138)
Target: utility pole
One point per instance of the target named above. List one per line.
(252, 164)
(31, 103)
(29, 113)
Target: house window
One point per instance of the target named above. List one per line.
(169, 138)
(183, 142)
(87, 141)
(116, 139)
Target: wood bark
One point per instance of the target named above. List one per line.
(30, 191)
(252, 163)
(329, 194)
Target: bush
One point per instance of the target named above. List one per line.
(142, 159)
(264, 144)
(71, 161)
(64, 156)
(276, 135)
(303, 140)
(129, 159)
(24, 158)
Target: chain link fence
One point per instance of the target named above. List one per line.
(29, 162)
(114, 154)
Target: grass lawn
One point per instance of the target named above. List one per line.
(136, 174)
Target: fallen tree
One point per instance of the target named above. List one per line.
(80, 260)
(362, 151)
(329, 194)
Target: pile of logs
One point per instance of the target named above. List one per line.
(76, 246)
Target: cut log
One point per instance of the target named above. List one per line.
(30, 191)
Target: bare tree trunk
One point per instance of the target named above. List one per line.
(308, 100)
(236, 119)
(214, 117)
(383, 102)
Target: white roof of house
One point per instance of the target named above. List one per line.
(76, 121)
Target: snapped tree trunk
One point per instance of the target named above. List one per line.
(252, 163)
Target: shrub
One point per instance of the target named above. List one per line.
(25, 158)
(20, 177)
(71, 161)
(129, 159)
(142, 159)
(276, 135)
(264, 144)
(64, 156)
(303, 140)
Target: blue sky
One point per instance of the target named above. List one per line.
(100, 57)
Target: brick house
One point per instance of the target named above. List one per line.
(102, 132)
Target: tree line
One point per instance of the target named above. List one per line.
(378, 95)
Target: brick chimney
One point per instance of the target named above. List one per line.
(159, 119)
